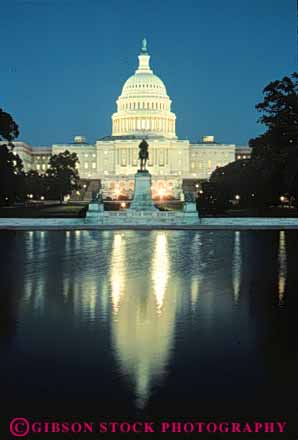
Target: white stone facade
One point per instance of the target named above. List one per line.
(143, 111)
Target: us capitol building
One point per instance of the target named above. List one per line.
(143, 112)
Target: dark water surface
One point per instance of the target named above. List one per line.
(153, 323)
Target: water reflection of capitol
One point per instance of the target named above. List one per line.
(143, 322)
(126, 292)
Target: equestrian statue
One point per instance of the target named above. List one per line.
(143, 154)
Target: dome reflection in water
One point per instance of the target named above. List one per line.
(160, 322)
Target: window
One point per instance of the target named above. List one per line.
(134, 157)
(123, 158)
(43, 166)
(94, 165)
(161, 158)
(93, 155)
(86, 155)
(38, 166)
(86, 165)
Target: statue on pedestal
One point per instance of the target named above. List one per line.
(143, 154)
(189, 197)
(97, 197)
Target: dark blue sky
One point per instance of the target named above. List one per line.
(63, 62)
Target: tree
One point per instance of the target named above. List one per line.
(11, 166)
(276, 151)
(62, 177)
(272, 170)
(35, 184)
(240, 178)
(8, 128)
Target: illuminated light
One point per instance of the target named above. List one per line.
(42, 198)
(282, 198)
(123, 205)
(237, 197)
(78, 193)
(236, 267)
(117, 272)
(201, 191)
(195, 290)
(161, 193)
(117, 192)
(84, 186)
(282, 275)
(160, 270)
(197, 185)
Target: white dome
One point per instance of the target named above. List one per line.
(144, 108)
(144, 84)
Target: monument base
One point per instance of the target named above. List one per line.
(190, 207)
(142, 200)
(94, 213)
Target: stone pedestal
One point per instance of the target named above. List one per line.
(95, 212)
(190, 212)
(142, 200)
(190, 207)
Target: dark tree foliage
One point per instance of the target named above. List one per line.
(8, 128)
(272, 170)
(36, 184)
(11, 166)
(275, 152)
(62, 177)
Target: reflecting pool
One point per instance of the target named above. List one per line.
(149, 323)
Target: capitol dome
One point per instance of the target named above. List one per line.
(144, 107)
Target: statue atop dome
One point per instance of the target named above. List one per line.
(143, 154)
(144, 46)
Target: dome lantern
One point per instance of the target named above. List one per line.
(144, 59)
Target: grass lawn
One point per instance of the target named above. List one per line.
(44, 211)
